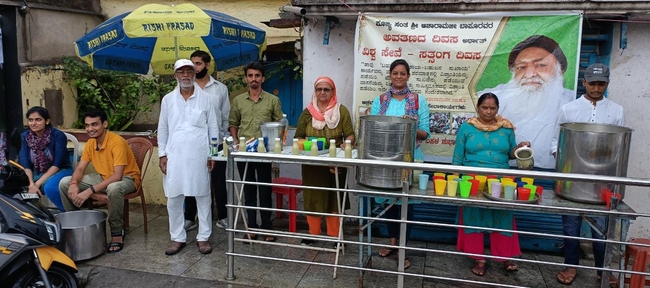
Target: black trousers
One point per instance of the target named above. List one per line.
(219, 193)
(263, 173)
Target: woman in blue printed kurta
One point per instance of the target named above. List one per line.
(487, 141)
(400, 101)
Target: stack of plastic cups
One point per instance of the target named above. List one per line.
(443, 175)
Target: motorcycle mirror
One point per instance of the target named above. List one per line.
(15, 139)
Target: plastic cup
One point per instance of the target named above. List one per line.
(465, 188)
(458, 179)
(307, 145)
(320, 145)
(423, 181)
(452, 186)
(301, 144)
(475, 186)
(439, 186)
(521, 183)
(451, 177)
(509, 192)
(489, 184)
(492, 176)
(523, 193)
(507, 180)
(528, 180)
(496, 189)
(533, 191)
(443, 175)
(467, 177)
(508, 177)
(438, 177)
(481, 182)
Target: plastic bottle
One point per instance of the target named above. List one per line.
(314, 147)
(214, 146)
(284, 122)
(277, 148)
(332, 148)
(260, 145)
(225, 147)
(348, 149)
(242, 144)
(295, 149)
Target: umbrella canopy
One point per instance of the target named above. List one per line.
(158, 35)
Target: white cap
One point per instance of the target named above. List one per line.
(183, 63)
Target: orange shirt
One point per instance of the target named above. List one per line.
(115, 151)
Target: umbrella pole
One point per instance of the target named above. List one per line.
(176, 47)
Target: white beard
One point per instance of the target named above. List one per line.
(534, 103)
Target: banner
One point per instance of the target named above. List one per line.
(456, 58)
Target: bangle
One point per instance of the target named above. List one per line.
(92, 189)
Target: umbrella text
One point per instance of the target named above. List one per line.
(108, 36)
(173, 26)
(234, 32)
(121, 63)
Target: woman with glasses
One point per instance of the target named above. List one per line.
(400, 101)
(326, 118)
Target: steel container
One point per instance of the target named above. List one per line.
(83, 233)
(385, 138)
(596, 149)
(270, 131)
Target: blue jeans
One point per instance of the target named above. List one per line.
(51, 186)
(571, 225)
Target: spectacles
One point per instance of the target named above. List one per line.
(326, 90)
(183, 72)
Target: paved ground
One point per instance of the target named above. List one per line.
(143, 264)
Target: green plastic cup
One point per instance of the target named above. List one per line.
(532, 188)
(465, 188)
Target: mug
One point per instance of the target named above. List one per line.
(524, 156)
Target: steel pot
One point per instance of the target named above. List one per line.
(83, 233)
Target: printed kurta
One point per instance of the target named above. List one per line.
(184, 132)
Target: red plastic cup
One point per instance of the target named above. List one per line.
(523, 193)
(438, 177)
(491, 177)
(470, 174)
(474, 190)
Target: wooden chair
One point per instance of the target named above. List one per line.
(142, 150)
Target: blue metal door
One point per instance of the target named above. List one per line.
(287, 85)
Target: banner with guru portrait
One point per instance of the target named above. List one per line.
(454, 58)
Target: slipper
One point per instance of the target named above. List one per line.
(565, 277)
(385, 251)
(270, 239)
(119, 245)
(252, 237)
(613, 282)
(407, 263)
(510, 266)
(479, 270)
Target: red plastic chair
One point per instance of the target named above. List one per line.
(291, 193)
(641, 261)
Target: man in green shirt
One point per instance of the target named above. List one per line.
(247, 112)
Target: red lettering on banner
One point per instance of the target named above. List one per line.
(433, 55)
(468, 55)
(372, 52)
(405, 38)
(392, 53)
(444, 39)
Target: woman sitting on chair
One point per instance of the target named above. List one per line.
(44, 154)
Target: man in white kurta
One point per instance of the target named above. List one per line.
(186, 124)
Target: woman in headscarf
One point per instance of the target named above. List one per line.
(400, 101)
(44, 154)
(326, 118)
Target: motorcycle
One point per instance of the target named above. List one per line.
(29, 234)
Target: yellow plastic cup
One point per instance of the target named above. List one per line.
(528, 180)
(481, 182)
(489, 184)
(451, 177)
(440, 174)
(439, 186)
(506, 181)
(452, 187)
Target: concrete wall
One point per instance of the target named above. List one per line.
(38, 79)
(629, 88)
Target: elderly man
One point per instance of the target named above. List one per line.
(592, 107)
(247, 112)
(187, 122)
(531, 99)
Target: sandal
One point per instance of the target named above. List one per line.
(119, 245)
(270, 239)
(510, 266)
(249, 237)
(479, 270)
(613, 282)
(385, 252)
(407, 263)
(565, 277)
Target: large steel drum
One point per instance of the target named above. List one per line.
(385, 138)
(596, 149)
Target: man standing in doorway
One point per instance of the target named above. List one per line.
(592, 107)
(219, 94)
(187, 122)
(247, 112)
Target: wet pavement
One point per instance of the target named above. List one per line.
(143, 263)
